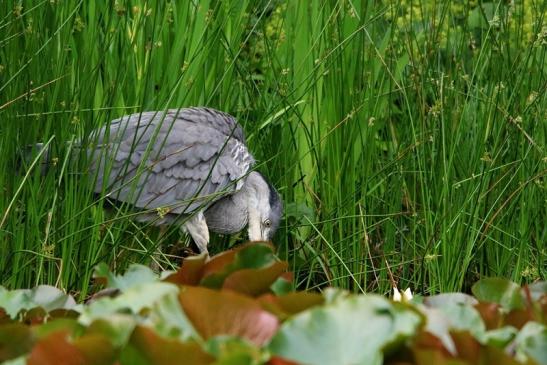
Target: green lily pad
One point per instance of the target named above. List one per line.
(282, 285)
(500, 337)
(531, 343)
(43, 296)
(538, 290)
(132, 301)
(501, 291)
(352, 330)
(168, 320)
(234, 351)
(465, 318)
(440, 300)
(135, 275)
(117, 328)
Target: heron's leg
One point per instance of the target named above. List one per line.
(197, 227)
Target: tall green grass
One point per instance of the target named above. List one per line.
(407, 138)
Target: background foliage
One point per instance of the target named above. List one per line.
(407, 138)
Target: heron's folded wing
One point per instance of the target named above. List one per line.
(216, 119)
(158, 160)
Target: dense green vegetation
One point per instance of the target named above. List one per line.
(407, 138)
(236, 309)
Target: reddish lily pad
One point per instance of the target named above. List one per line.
(55, 349)
(257, 255)
(467, 346)
(491, 314)
(437, 331)
(518, 317)
(494, 355)
(290, 304)
(96, 349)
(191, 271)
(147, 348)
(52, 343)
(219, 262)
(236, 264)
(215, 313)
(429, 357)
(254, 282)
(16, 339)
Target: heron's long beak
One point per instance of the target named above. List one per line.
(255, 231)
(255, 235)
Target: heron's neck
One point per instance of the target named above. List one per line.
(256, 193)
(228, 215)
(246, 198)
(232, 213)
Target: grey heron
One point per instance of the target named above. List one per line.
(187, 165)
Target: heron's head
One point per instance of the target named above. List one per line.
(265, 208)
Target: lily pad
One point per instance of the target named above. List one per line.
(537, 290)
(58, 349)
(132, 301)
(249, 256)
(290, 304)
(190, 272)
(439, 326)
(147, 348)
(55, 349)
(353, 330)
(43, 296)
(464, 318)
(16, 339)
(215, 313)
(250, 268)
(531, 342)
(501, 291)
(440, 300)
(168, 320)
(117, 328)
(233, 351)
(254, 282)
(135, 275)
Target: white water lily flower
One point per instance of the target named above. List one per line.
(404, 296)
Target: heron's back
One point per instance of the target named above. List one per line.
(179, 160)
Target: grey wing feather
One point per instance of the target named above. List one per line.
(216, 119)
(180, 159)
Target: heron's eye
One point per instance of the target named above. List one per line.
(267, 223)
